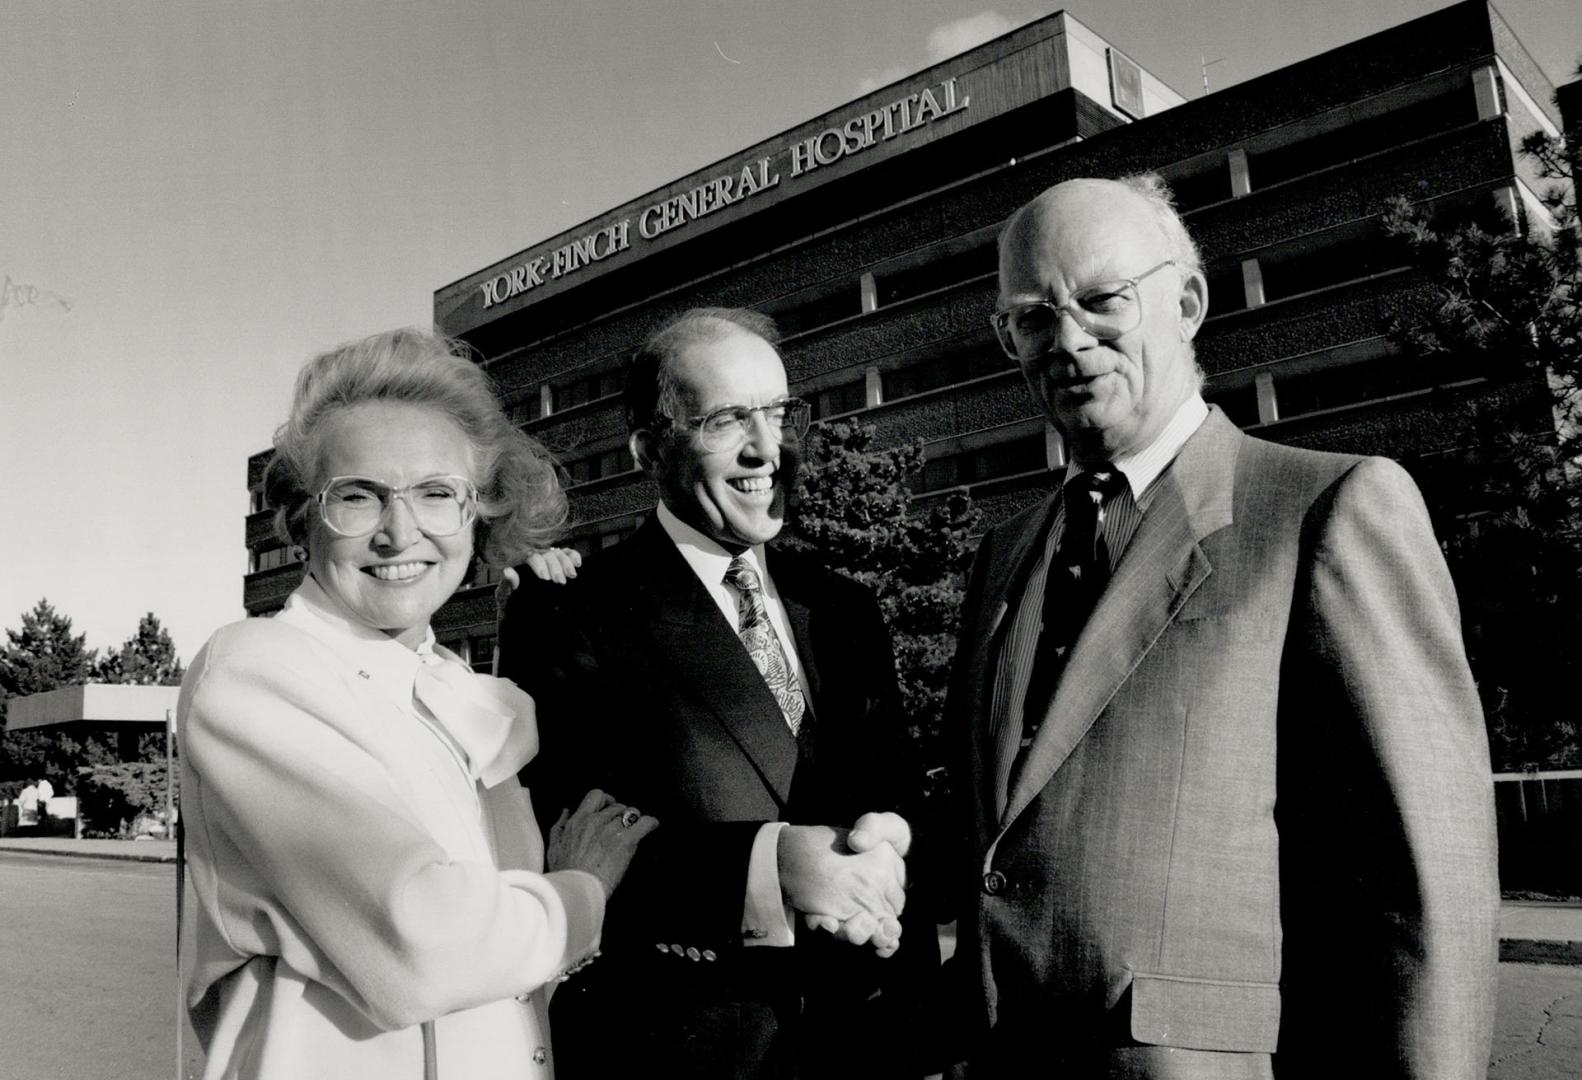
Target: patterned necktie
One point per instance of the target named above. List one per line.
(1076, 580)
(758, 635)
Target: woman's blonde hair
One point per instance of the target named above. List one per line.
(521, 504)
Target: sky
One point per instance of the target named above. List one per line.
(196, 197)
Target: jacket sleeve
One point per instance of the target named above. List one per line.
(1386, 800)
(688, 881)
(313, 857)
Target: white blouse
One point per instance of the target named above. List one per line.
(355, 875)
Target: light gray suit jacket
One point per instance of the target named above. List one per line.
(1258, 816)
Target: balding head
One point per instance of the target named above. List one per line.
(1110, 396)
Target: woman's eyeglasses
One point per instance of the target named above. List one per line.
(356, 505)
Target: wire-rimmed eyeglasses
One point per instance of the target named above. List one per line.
(728, 427)
(356, 505)
(1106, 309)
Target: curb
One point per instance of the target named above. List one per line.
(1536, 951)
(109, 856)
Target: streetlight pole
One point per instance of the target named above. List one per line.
(170, 773)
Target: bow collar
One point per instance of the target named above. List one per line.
(490, 721)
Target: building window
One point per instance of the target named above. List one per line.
(1322, 260)
(1202, 186)
(925, 277)
(806, 312)
(1240, 404)
(481, 651)
(835, 400)
(574, 392)
(587, 545)
(1355, 384)
(1010, 458)
(484, 574)
(1384, 132)
(948, 370)
(271, 558)
(1226, 287)
(597, 466)
(529, 408)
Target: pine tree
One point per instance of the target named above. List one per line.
(43, 655)
(147, 658)
(854, 512)
(1513, 300)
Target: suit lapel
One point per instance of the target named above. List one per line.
(1163, 565)
(703, 652)
(800, 616)
(1019, 562)
(1005, 576)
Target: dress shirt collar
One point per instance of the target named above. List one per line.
(703, 553)
(1143, 468)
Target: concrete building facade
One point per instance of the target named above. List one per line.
(869, 233)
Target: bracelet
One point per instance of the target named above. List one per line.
(579, 965)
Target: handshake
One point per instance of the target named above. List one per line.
(849, 882)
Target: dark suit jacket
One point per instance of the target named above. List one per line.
(1258, 814)
(643, 689)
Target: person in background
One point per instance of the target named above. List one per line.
(372, 898)
(748, 697)
(45, 792)
(1220, 753)
(27, 805)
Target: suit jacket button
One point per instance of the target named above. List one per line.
(708, 954)
(994, 883)
(693, 954)
(678, 950)
(540, 1055)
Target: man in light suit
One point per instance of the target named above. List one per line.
(748, 699)
(1225, 770)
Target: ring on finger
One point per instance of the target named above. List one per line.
(629, 818)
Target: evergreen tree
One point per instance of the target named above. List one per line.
(1511, 298)
(147, 658)
(854, 512)
(43, 655)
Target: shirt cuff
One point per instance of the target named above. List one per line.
(766, 917)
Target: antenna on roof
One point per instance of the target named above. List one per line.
(1205, 63)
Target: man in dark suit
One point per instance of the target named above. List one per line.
(1224, 766)
(747, 699)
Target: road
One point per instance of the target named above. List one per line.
(88, 977)
(88, 981)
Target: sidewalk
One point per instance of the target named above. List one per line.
(163, 851)
(1535, 932)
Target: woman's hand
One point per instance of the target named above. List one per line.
(600, 836)
(554, 564)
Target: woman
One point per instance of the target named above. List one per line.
(371, 900)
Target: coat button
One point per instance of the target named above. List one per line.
(994, 883)
(540, 1055)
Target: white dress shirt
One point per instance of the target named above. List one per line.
(766, 918)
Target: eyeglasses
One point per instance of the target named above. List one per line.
(728, 427)
(356, 505)
(1106, 310)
